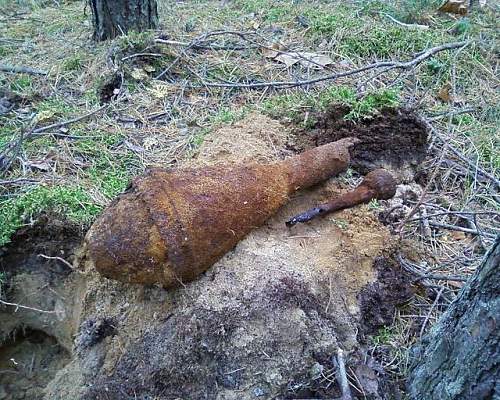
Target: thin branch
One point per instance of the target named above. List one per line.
(460, 229)
(69, 121)
(142, 55)
(383, 64)
(342, 376)
(17, 181)
(27, 307)
(422, 329)
(203, 46)
(58, 259)
(417, 26)
(452, 113)
(462, 157)
(21, 70)
(438, 277)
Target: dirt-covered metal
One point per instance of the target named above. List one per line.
(172, 225)
(378, 184)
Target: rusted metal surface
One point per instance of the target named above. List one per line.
(378, 184)
(172, 225)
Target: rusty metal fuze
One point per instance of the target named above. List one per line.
(172, 225)
(378, 184)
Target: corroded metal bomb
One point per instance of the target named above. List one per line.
(378, 184)
(172, 225)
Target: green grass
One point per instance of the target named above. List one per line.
(4, 50)
(384, 336)
(292, 105)
(53, 107)
(73, 63)
(109, 171)
(22, 84)
(74, 202)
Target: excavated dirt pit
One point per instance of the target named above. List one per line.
(395, 139)
(29, 360)
(264, 322)
(34, 345)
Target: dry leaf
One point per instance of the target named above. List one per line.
(458, 235)
(456, 284)
(139, 74)
(309, 60)
(149, 68)
(45, 115)
(444, 93)
(272, 51)
(41, 165)
(160, 90)
(454, 7)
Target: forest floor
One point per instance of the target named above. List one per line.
(96, 114)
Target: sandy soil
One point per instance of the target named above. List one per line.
(263, 322)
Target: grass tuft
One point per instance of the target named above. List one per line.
(71, 201)
(292, 105)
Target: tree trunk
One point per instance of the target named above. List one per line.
(115, 17)
(460, 357)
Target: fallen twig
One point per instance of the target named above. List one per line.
(27, 307)
(438, 277)
(58, 259)
(451, 113)
(389, 65)
(21, 70)
(142, 55)
(417, 26)
(17, 181)
(69, 121)
(424, 324)
(462, 157)
(342, 376)
(460, 229)
(200, 41)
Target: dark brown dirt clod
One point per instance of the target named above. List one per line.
(394, 139)
(378, 300)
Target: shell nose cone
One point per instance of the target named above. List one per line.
(382, 182)
(124, 245)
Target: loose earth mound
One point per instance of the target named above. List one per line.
(264, 322)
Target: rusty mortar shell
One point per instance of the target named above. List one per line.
(170, 226)
(378, 184)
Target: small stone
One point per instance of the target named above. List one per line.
(316, 371)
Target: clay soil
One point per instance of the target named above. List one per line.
(264, 322)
